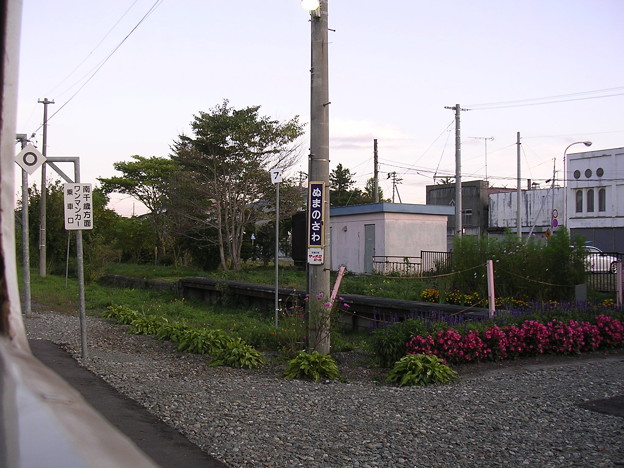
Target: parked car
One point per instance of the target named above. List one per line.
(599, 262)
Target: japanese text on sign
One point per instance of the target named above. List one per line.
(316, 214)
(78, 206)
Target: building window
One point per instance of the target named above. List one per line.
(577, 174)
(579, 201)
(588, 173)
(590, 201)
(468, 217)
(600, 172)
(602, 200)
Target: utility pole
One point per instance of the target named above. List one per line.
(44, 189)
(318, 181)
(395, 181)
(375, 173)
(519, 190)
(27, 301)
(485, 139)
(459, 228)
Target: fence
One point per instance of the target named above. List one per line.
(428, 262)
(601, 269)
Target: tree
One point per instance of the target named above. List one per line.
(146, 180)
(445, 181)
(369, 192)
(341, 191)
(223, 182)
(100, 243)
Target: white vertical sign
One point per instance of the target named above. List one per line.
(78, 202)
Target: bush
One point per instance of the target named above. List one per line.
(389, 344)
(202, 341)
(123, 315)
(421, 369)
(238, 354)
(527, 339)
(313, 366)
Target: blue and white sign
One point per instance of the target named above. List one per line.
(316, 221)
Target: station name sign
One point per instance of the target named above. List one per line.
(316, 222)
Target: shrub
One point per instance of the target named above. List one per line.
(421, 369)
(313, 366)
(147, 325)
(389, 343)
(202, 341)
(237, 353)
(121, 314)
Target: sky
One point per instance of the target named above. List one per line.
(125, 83)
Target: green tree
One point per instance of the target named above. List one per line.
(223, 182)
(100, 243)
(341, 191)
(146, 180)
(369, 192)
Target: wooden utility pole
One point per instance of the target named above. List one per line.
(375, 173)
(44, 190)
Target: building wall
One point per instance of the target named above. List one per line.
(408, 235)
(396, 234)
(347, 239)
(588, 174)
(537, 208)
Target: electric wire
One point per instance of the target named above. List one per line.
(580, 96)
(155, 5)
(89, 55)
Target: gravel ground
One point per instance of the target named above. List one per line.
(519, 414)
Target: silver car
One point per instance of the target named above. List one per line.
(599, 262)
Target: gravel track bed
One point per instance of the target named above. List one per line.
(511, 416)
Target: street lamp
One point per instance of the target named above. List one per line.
(565, 179)
(319, 263)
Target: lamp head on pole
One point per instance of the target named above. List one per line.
(587, 143)
(313, 6)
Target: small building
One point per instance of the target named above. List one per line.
(475, 205)
(541, 211)
(361, 232)
(595, 197)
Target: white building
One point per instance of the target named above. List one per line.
(595, 201)
(541, 210)
(361, 232)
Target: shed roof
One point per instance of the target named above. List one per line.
(385, 207)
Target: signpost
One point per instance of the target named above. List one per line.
(30, 159)
(276, 178)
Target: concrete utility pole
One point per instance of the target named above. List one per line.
(375, 172)
(44, 189)
(459, 228)
(519, 191)
(318, 274)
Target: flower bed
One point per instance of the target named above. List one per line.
(527, 339)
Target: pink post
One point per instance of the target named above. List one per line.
(490, 283)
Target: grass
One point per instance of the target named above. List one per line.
(290, 277)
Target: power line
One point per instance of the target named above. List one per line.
(155, 5)
(550, 99)
(89, 55)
